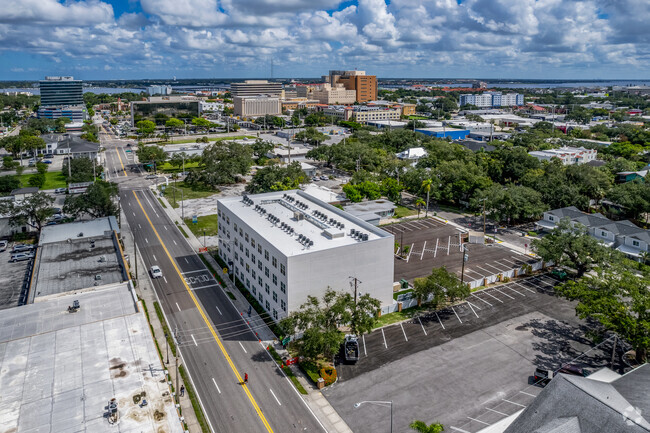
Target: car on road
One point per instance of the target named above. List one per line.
(151, 176)
(155, 272)
(128, 144)
(20, 257)
(323, 177)
(60, 190)
(315, 179)
(19, 248)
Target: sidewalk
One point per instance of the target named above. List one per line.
(145, 291)
(314, 399)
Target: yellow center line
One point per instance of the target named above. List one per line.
(207, 322)
(117, 150)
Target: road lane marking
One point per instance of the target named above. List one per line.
(532, 395)
(403, 331)
(215, 384)
(165, 279)
(259, 412)
(186, 261)
(179, 308)
(174, 242)
(154, 257)
(382, 333)
(193, 339)
(276, 399)
(242, 347)
(133, 213)
(121, 163)
(147, 240)
(139, 226)
(218, 310)
(165, 227)
(423, 330)
(443, 326)
(193, 272)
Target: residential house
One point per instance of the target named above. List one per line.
(629, 176)
(623, 236)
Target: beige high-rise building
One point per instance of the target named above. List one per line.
(364, 86)
(253, 106)
(337, 94)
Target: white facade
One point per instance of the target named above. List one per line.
(159, 90)
(260, 240)
(568, 155)
(254, 106)
(326, 94)
(211, 106)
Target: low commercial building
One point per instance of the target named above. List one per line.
(365, 114)
(492, 99)
(71, 144)
(211, 106)
(629, 176)
(371, 211)
(412, 154)
(337, 94)
(285, 246)
(387, 124)
(623, 236)
(298, 103)
(568, 155)
(254, 106)
(171, 106)
(454, 134)
(76, 113)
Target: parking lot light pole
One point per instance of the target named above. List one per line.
(379, 403)
(465, 258)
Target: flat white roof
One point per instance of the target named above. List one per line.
(273, 217)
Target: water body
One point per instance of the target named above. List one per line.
(541, 85)
(108, 90)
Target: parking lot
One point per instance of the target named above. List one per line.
(433, 243)
(13, 277)
(467, 366)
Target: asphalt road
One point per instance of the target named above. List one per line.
(216, 345)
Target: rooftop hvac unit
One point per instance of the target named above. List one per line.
(311, 243)
(365, 236)
(300, 237)
(352, 232)
(298, 216)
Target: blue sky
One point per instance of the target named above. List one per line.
(113, 39)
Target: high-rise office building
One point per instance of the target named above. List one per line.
(364, 85)
(61, 91)
(256, 87)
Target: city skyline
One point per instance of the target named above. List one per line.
(111, 39)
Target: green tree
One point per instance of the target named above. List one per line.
(37, 180)
(617, 298)
(422, 427)
(202, 123)
(261, 148)
(8, 163)
(155, 155)
(633, 196)
(419, 202)
(426, 185)
(33, 210)
(312, 136)
(174, 123)
(145, 127)
(277, 178)
(512, 203)
(352, 193)
(364, 314)
(41, 167)
(8, 183)
(224, 162)
(392, 189)
(81, 170)
(571, 245)
(97, 201)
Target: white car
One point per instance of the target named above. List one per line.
(155, 272)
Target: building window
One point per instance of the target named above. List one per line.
(275, 314)
(248, 283)
(635, 243)
(603, 234)
(248, 269)
(241, 247)
(246, 252)
(266, 271)
(275, 279)
(261, 298)
(267, 289)
(551, 218)
(241, 261)
(283, 287)
(235, 226)
(236, 256)
(259, 265)
(275, 297)
(283, 269)
(236, 242)
(253, 259)
(268, 306)
(274, 261)
(228, 221)
(259, 248)
(240, 232)
(253, 274)
(259, 281)
(254, 290)
(246, 237)
(283, 304)
(266, 255)
(252, 242)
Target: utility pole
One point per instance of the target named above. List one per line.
(462, 272)
(166, 348)
(484, 232)
(182, 207)
(178, 397)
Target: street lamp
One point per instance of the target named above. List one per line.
(379, 403)
(465, 258)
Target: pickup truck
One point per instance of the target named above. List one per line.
(351, 348)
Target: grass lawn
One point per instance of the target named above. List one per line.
(402, 211)
(168, 168)
(193, 140)
(206, 222)
(53, 179)
(417, 118)
(189, 192)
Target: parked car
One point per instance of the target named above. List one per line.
(151, 176)
(19, 248)
(155, 272)
(47, 161)
(315, 179)
(351, 348)
(48, 155)
(60, 190)
(20, 257)
(323, 177)
(560, 274)
(3, 246)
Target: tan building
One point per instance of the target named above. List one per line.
(408, 109)
(297, 103)
(337, 94)
(364, 86)
(363, 114)
(254, 106)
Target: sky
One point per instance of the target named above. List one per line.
(135, 39)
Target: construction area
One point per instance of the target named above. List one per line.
(83, 362)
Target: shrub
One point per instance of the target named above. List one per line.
(328, 374)
(310, 370)
(532, 234)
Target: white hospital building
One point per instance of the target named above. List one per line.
(287, 245)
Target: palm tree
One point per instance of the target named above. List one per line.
(419, 203)
(422, 427)
(426, 184)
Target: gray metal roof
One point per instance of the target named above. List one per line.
(370, 206)
(599, 221)
(91, 228)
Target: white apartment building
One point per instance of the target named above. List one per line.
(253, 106)
(568, 155)
(364, 114)
(285, 246)
(337, 94)
(159, 90)
(211, 106)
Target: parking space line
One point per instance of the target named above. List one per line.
(410, 251)
(423, 247)
(363, 338)
(186, 261)
(492, 296)
(382, 333)
(474, 305)
(504, 294)
(443, 326)
(470, 306)
(508, 287)
(496, 411)
(486, 270)
(403, 331)
(423, 330)
(532, 395)
(492, 266)
(524, 287)
(482, 300)
(242, 347)
(458, 429)
(512, 402)
(478, 420)
(452, 309)
(219, 310)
